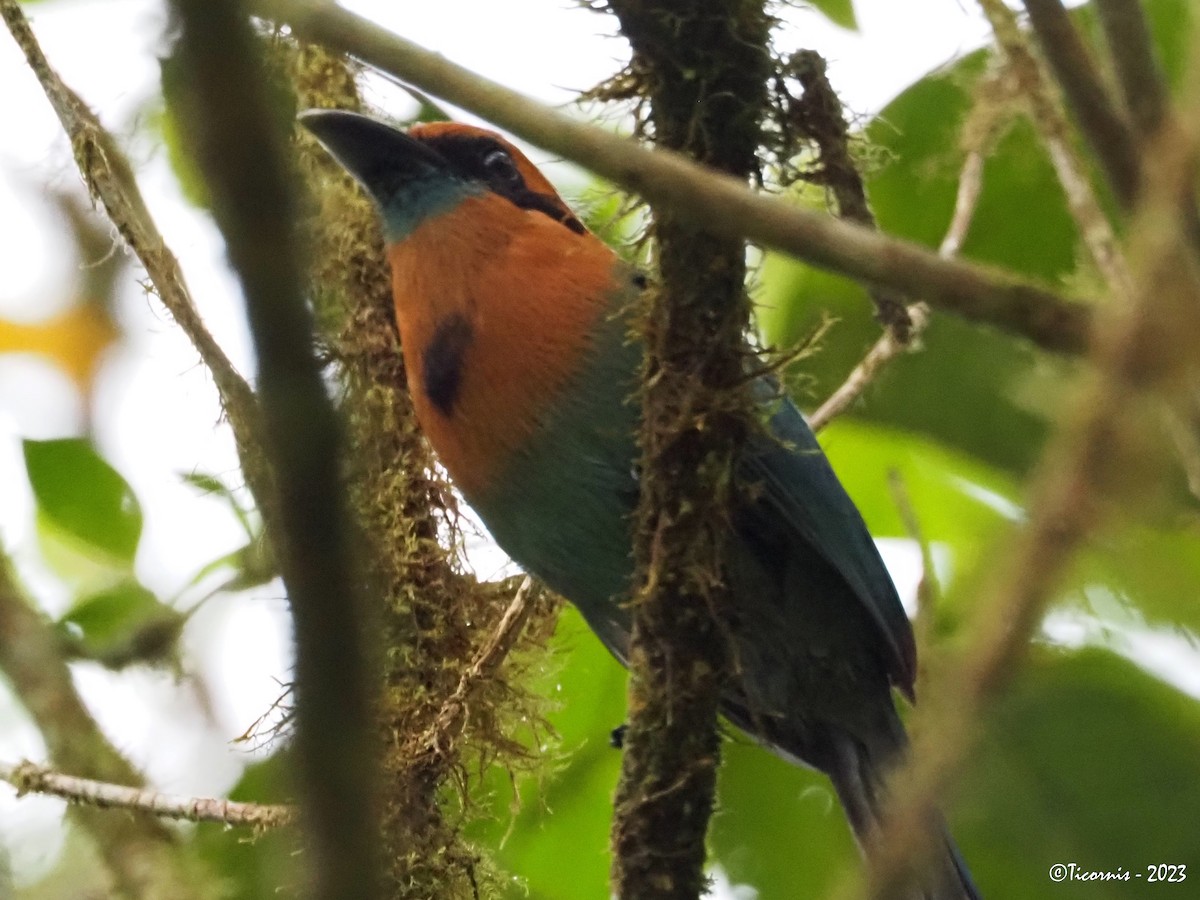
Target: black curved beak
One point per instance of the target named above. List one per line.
(382, 158)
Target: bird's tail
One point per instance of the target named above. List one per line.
(857, 776)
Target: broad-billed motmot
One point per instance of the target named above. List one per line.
(513, 322)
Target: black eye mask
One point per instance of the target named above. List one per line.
(485, 160)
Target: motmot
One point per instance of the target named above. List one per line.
(514, 326)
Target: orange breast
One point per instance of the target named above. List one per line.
(496, 306)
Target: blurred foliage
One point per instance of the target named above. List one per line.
(121, 625)
(1089, 758)
(249, 566)
(75, 339)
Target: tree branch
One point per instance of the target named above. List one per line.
(1045, 109)
(820, 116)
(887, 348)
(234, 133)
(706, 199)
(30, 778)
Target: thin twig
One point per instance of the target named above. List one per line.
(240, 147)
(966, 201)
(882, 352)
(30, 778)
(1105, 130)
(887, 348)
(715, 202)
(1045, 109)
(929, 591)
(499, 644)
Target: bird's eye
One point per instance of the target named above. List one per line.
(500, 166)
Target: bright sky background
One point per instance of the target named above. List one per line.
(157, 412)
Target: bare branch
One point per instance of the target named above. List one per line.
(882, 352)
(30, 778)
(966, 200)
(707, 199)
(887, 348)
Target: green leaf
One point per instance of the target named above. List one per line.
(779, 827)
(566, 813)
(1156, 569)
(121, 626)
(1088, 760)
(84, 498)
(839, 12)
(212, 485)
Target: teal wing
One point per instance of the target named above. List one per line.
(798, 489)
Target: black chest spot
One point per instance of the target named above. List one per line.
(442, 362)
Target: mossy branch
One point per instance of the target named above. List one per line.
(454, 693)
(819, 115)
(705, 73)
(703, 198)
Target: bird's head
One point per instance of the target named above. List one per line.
(432, 168)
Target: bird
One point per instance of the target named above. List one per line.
(513, 323)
